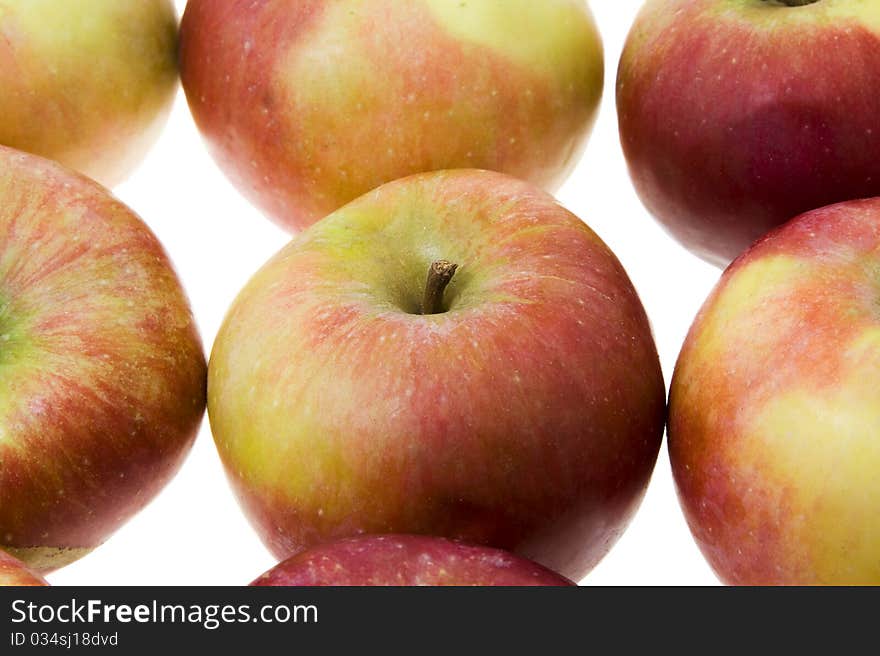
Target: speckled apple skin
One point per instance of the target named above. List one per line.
(308, 104)
(89, 83)
(527, 417)
(738, 115)
(13, 572)
(407, 560)
(774, 426)
(102, 372)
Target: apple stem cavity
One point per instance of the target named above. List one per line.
(439, 276)
(793, 3)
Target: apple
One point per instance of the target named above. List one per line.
(407, 560)
(308, 104)
(102, 373)
(13, 572)
(775, 407)
(88, 83)
(737, 115)
(512, 397)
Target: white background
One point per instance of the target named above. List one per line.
(194, 532)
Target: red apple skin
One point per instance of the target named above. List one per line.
(737, 116)
(308, 104)
(774, 410)
(528, 417)
(407, 560)
(102, 372)
(13, 572)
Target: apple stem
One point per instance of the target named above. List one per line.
(439, 276)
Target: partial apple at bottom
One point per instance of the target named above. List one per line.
(407, 560)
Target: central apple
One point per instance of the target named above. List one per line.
(307, 104)
(453, 354)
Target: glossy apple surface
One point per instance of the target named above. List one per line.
(407, 560)
(102, 373)
(525, 415)
(88, 83)
(307, 104)
(13, 572)
(737, 115)
(775, 407)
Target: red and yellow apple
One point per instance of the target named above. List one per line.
(521, 408)
(737, 115)
(407, 560)
(308, 104)
(88, 83)
(13, 572)
(102, 373)
(774, 426)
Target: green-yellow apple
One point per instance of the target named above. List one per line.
(13, 572)
(308, 104)
(88, 83)
(774, 427)
(737, 115)
(521, 408)
(407, 560)
(102, 373)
